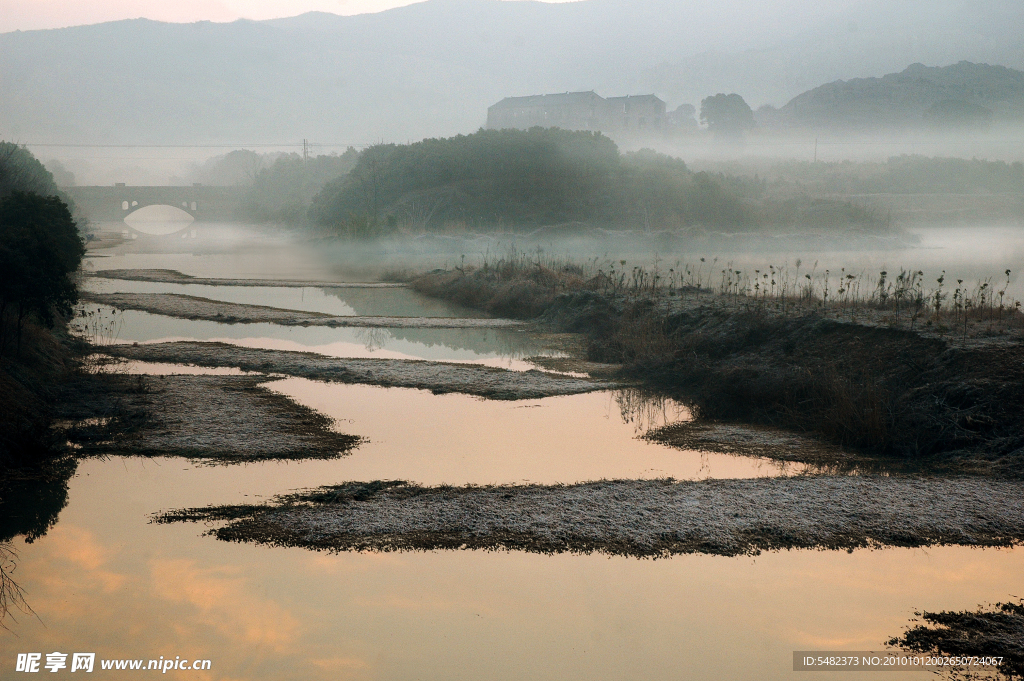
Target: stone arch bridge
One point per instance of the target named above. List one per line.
(107, 207)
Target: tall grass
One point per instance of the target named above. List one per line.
(97, 326)
(904, 299)
(12, 597)
(748, 343)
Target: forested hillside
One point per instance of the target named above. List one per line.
(516, 179)
(40, 252)
(960, 96)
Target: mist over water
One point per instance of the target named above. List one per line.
(612, 240)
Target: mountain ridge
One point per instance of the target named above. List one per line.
(907, 98)
(433, 68)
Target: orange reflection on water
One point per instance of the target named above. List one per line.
(269, 613)
(455, 439)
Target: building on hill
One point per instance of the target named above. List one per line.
(636, 112)
(571, 111)
(579, 111)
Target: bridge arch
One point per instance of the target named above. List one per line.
(110, 205)
(159, 220)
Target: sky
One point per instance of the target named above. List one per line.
(27, 15)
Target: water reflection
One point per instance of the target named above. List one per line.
(500, 347)
(244, 259)
(399, 302)
(344, 302)
(648, 410)
(474, 345)
(456, 439)
(988, 639)
(30, 507)
(106, 580)
(12, 596)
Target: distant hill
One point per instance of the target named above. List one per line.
(963, 95)
(433, 68)
(423, 70)
(855, 39)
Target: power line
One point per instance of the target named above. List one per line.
(195, 146)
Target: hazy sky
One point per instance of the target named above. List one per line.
(33, 14)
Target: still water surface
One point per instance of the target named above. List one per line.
(105, 580)
(340, 301)
(497, 347)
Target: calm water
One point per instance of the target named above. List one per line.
(105, 580)
(397, 302)
(502, 347)
(498, 347)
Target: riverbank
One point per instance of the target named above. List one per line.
(195, 308)
(437, 377)
(995, 630)
(858, 376)
(643, 518)
(35, 370)
(37, 383)
(206, 418)
(175, 277)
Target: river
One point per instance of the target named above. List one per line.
(104, 579)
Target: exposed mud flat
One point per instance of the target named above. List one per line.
(756, 440)
(997, 630)
(438, 377)
(637, 518)
(215, 418)
(196, 308)
(822, 456)
(175, 277)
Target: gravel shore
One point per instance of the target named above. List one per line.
(211, 418)
(638, 518)
(193, 307)
(175, 277)
(438, 377)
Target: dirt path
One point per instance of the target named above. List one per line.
(196, 308)
(175, 277)
(640, 518)
(438, 377)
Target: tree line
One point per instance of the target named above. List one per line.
(520, 178)
(40, 247)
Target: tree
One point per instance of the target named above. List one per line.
(954, 113)
(727, 115)
(283, 191)
(62, 177)
(40, 249)
(21, 171)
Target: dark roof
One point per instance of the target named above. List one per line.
(639, 98)
(560, 99)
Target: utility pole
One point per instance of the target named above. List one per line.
(305, 150)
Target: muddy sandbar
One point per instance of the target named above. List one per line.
(213, 418)
(196, 308)
(176, 277)
(635, 517)
(438, 377)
